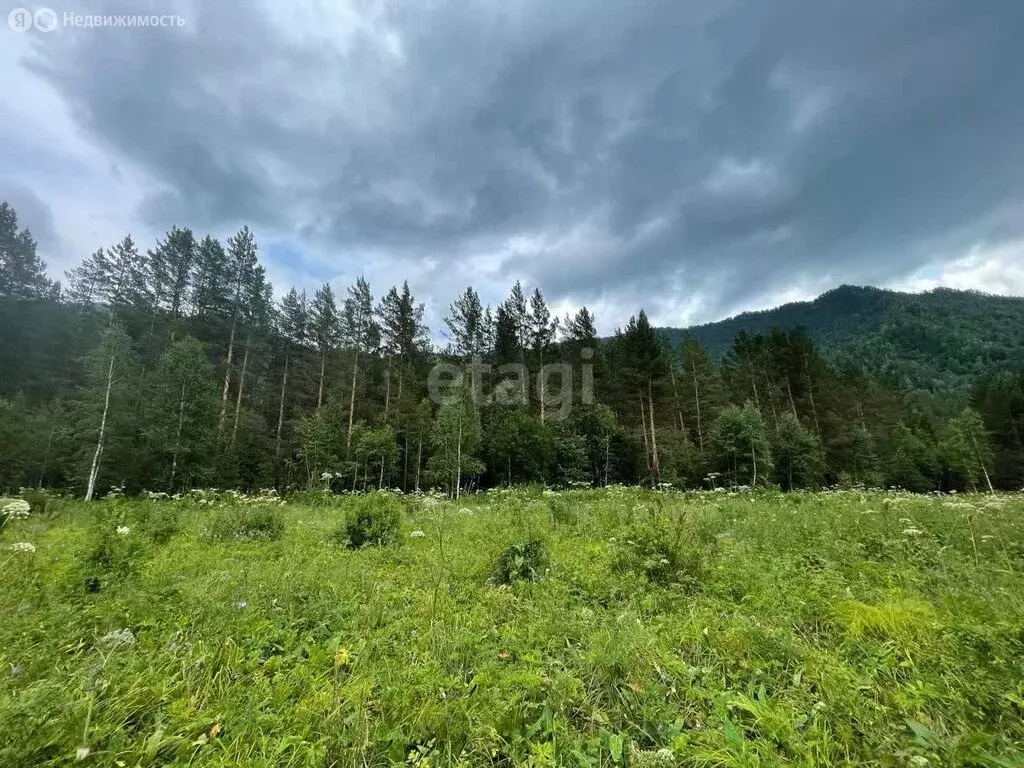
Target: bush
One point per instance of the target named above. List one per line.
(160, 522)
(39, 502)
(113, 551)
(253, 523)
(522, 562)
(660, 556)
(562, 512)
(371, 519)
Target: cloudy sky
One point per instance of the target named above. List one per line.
(695, 157)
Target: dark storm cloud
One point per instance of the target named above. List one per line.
(649, 151)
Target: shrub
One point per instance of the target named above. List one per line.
(113, 551)
(662, 557)
(371, 520)
(254, 523)
(160, 522)
(39, 502)
(562, 512)
(522, 562)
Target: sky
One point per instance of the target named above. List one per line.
(695, 158)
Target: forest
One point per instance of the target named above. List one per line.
(172, 366)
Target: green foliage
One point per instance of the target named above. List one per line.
(256, 522)
(797, 453)
(739, 445)
(40, 502)
(372, 519)
(661, 555)
(112, 552)
(526, 561)
(159, 521)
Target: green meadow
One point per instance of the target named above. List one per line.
(613, 627)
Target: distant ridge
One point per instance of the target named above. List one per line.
(939, 339)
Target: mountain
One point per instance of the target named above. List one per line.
(939, 340)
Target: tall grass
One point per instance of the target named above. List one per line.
(833, 629)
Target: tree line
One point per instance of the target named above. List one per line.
(175, 366)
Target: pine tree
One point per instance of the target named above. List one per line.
(324, 330)
(466, 326)
(257, 315)
(241, 264)
(210, 296)
(293, 330)
(22, 271)
(542, 332)
(361, 334)
(171, 264)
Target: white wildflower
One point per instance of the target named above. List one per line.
(22, 546)
(417, 534)
(241, 604)
(118, 638)
(912, 531)
(16, 508)
(81, 754)
(123, 530)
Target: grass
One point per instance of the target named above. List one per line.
(661, 629)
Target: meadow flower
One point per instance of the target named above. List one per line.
(417, 534)
(118, 638)
(242, 604)
(912, 531)
(81, 754)
(123, 530)
(14, 508)
(22, 546)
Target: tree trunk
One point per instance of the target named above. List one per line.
(655, 461)
(320, 388)
(753, 458)
(177, 436)
(675, 398)
(753, 385)
(696, 400)
(458, 462)
(607, 453)
(241, 389)
(647, 444)
(792, 403)
(380, 482)
(387, 392)
(419, 460)
(981, 463)
(227, 380)
(405, 462)
(94, 470)
(46, 457)
(352, 403)
(810, 395)
(540, 375)
(280, 409)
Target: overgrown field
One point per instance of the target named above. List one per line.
(519, 628)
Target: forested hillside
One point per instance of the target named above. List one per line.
(171, 365)
(942, 340)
